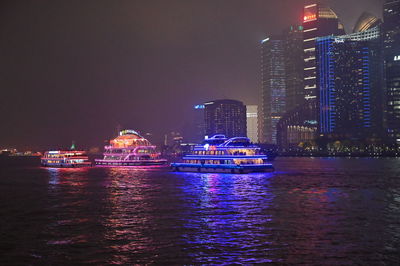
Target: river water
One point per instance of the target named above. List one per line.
(310, 210)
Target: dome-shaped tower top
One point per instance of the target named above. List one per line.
(366, 22)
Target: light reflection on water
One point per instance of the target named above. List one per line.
(312, 211)
(224, 216)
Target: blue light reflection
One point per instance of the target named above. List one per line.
(226, 215)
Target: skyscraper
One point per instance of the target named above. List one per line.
(319, 21)
(349, 81)
(391, 36)
(252, 122)
(226, 117)
(198, 119)
(273, 86)
(294, 65)
(300, 123)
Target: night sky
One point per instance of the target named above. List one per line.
(76, 70)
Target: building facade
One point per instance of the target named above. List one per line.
(349, 81)
(227, 117)
(297, 126)
(294, 65)
(252, 123)
(198, 123)
(319, 21)
(391, 39)
(273, 86)
(300, 124)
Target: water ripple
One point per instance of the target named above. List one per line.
(310, 211)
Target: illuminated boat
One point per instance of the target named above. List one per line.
(65, 159)
(130, 149)
(221, 155)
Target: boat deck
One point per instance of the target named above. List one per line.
(222, 168)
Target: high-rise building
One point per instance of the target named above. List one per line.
(252, 122)
(365, 22)
(199, 125)
(226, 117)
(319, 21)
(273, 86)
(294, 67)
(349, 81)
(299, 124)
(391, 39)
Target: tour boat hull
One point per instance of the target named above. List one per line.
(66, 165)
(229, 169)
(101, 162)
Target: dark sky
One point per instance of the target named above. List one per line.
(74, 70)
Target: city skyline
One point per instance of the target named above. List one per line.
(78, 79)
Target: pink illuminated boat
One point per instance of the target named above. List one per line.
(130, 149)
(68, 159)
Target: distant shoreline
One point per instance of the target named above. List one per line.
(341, 155)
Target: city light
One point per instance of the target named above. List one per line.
(199, 106)
(265, 40)
(310, 17)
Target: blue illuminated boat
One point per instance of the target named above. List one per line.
(221, 155)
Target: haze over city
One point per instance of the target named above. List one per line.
(74, 70)
(199, 132)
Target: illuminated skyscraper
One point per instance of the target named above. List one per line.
(252, 123)
(227, 117)
(391, 28)
(319, 21)
(273, 86)
(299, 124)
(349, 81)
(365, 22)
(199, 125)
(294, 65)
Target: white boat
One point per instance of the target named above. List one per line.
(221, 155)
(69, 159)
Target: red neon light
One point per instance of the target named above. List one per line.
(310, 17)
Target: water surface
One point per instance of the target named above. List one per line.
(312, 211)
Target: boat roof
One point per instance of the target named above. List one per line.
(66, 152)
(129, 138)
(222, 141)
